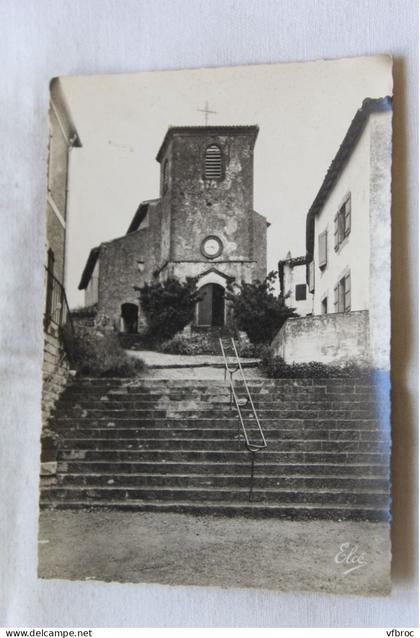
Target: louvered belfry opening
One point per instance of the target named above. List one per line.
(213, 162)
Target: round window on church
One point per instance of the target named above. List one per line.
(211, 247)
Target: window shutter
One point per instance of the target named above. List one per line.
(336, 240)
(311, 277)
(336, 298)
(322, 249)
(347, 217)
(213, 162)
(347, 293)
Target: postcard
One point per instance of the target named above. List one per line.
(216, 371)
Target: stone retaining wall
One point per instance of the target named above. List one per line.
(337, 339)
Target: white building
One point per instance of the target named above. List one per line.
(293, 284)
(348, 251)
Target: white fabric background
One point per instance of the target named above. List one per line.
(44, 38)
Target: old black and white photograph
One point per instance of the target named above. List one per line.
(216, 361)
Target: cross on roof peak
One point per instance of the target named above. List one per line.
(206, 112)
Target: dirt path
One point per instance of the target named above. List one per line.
(180, 549)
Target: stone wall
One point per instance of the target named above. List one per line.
(55, 371)
(123, 264)
(338, 339)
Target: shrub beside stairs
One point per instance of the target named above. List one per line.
(172, 446)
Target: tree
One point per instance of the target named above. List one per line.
(258, 311)
(168, 306)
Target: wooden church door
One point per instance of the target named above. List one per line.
(211, 307)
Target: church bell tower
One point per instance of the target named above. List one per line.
(209, 228)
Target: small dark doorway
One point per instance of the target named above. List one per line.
(211, 307)
(129, 318)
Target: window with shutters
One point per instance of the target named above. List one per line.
(322, 249)
(213, 163)
(311, 277)
(300, 292)
(342, 223)
(342, 294)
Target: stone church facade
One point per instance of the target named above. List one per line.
(203, 225)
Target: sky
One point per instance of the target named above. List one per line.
(303, 111)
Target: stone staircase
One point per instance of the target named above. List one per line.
(172, 446)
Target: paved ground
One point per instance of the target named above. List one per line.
(180, 549)
(194, 373)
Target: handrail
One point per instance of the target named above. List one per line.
(252, 447)
(57, 308)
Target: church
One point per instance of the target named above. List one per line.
(203, 225)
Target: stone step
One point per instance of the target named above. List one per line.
(222, 445)
(207, 414)
(162, 456)
(241, 466)
(185, 389)
(189, 480)
(62, 424)
(193, 408)
(227, 433)
(377, 498)
(150, 382)
(161, 445)
(231, 508)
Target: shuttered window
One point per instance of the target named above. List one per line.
(342, 223)
(347, 216)
(213, 168)
(300, 292)
(311, 277)
(322, 249)
(342, 294)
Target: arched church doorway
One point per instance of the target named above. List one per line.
(211, 307)
(129, 317)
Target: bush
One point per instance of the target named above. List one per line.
(85, 311)
(177, 345)
(276, 368)
(168, 306)
(99, 356)
(191, 345)
(258, 311)
(252, 350)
